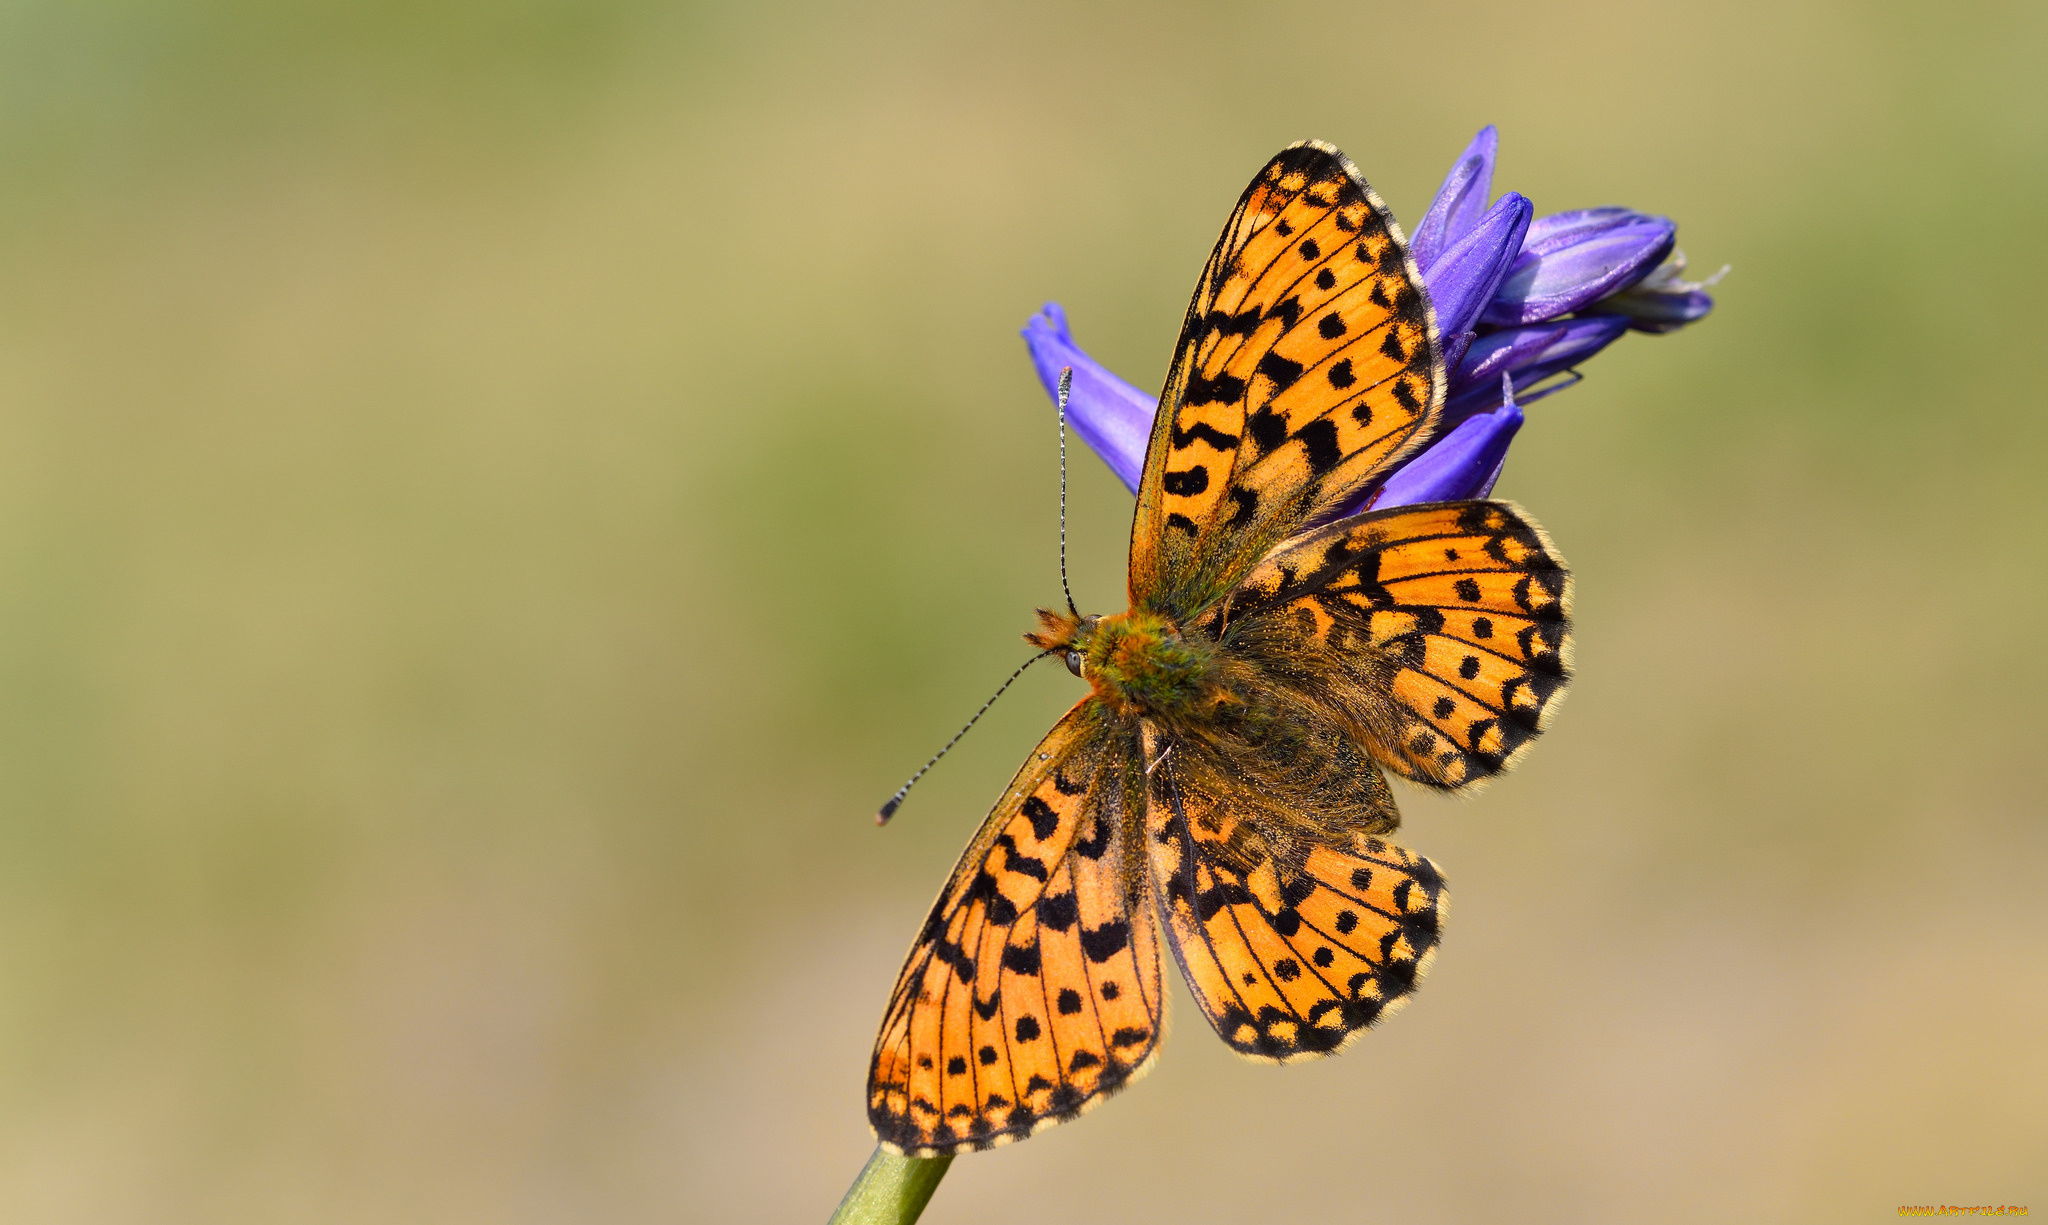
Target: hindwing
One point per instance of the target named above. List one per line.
(1444, 629)
(1293, 932)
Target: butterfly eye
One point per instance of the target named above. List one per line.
(1074, 662)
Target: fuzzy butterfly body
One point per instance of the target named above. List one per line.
(1226, 772)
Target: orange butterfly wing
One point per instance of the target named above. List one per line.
(1293, 937)
(1307, 365)
(1034, 988)
(1451, 621)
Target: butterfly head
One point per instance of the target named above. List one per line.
(1065, 635)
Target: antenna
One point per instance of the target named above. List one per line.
(1066, 385)
(896, 801)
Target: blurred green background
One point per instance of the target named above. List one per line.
(493, 494)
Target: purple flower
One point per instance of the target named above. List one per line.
(1571, 260)
(1663, 301)
(1463, 463)
(1465, 248)
(1532, 354)
(1463, 280)
(1111, 416)
(1460, 201)
(1519, 299)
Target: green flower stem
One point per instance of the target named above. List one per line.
(891, 1190)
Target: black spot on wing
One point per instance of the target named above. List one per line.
(1399, 976)
(1319, 439)
(1024, 865)
(1243, 323)
(1058, 911)
(1206, 433)
(1420, 926)
(1000, 910)
(1267, 428)
(1247, 501)
(1096, 842)
(949, 953)
(1408, 306)
(1215, 898)
(1281, 371)
(1294, 890)
(1223, 389)
(1043, 819)
(1106, 941)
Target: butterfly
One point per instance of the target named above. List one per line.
(1227, 771)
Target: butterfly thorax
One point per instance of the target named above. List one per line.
(1139, 663)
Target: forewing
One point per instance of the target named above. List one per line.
(1307, 365)
(1034, 988)
(1444, 629)
(1293, 936)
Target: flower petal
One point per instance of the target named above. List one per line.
(1463, 280)
(1658, 312)
(1571, 259)
(1111, 416)
(1663, 301)
(1531, 354)
(1462, 464)
(1455, 346)
(1460, 201)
